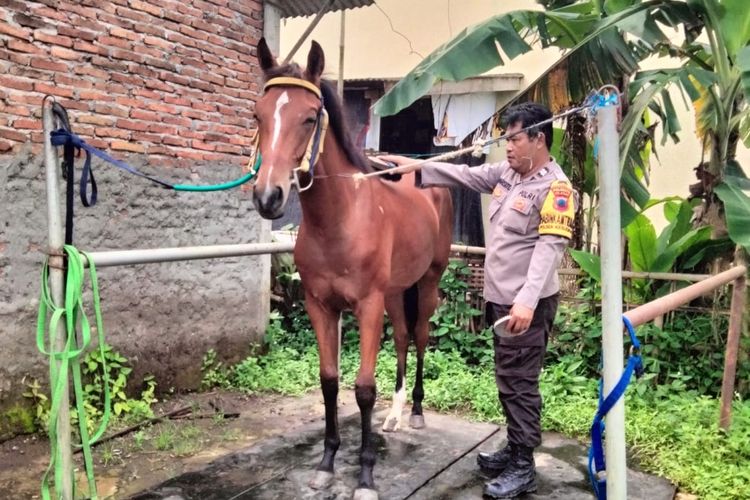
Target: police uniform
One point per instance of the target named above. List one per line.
(530, 225)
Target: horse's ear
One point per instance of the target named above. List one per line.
(315, 62)
(265, 57)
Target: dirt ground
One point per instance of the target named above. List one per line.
(150, 455)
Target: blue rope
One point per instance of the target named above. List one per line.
(62, 137)
(596, 466)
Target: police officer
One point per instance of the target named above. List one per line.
(531, 217)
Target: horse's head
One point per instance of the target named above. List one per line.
(291, 123)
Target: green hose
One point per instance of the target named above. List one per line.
(224, 186)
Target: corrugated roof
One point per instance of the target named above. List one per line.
(296, 8)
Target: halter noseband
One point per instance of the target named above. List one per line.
(315, 145)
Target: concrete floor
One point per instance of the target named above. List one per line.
(437, 462)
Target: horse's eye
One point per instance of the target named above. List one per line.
(310, 120)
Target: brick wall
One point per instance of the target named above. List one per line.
(174, 79)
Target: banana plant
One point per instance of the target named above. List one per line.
(679, 247)
(603, 42)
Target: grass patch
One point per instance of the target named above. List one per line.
(670, 433)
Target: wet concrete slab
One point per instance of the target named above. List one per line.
(437, 462)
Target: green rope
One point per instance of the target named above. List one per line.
(224, 186)
(70, 358)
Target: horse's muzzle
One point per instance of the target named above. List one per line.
(269, 202)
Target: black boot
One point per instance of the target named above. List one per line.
(495, 463)
(519, 476)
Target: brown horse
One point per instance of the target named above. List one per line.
(364, 245)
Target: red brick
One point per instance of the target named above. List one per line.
(109, 109)
(77, 105)
(151, 29)
(16, 110)
(5, 146)
(98, 143)
(138, 17)
(83, 46)
(113, 41)
(46, 88)
(43, 63)
(54, 39)
(147, 93)
(228, 148)
(69, 31)
(112, 132)
(191, 134)
(158, 85)
(15, 31)
(94, 95)
(13, 135)
(128, 101)
(177, 120)
(91, 71)
(175, 141)
(78, 83)
(49, 13)
(158, 42)
(127, 146)
(116, 20)
(102, 121)
(142, 70)
(168, 76)
(146, 7)
(21, 46)
(27, 123)
(158, 128)
(145, 137)
(112, 88)
(16, 83)
(180, 101)
(181, 39)
(132, 125)
(62, 53)
(123, 33)
(199, 84)
(213, 157)
(189, 153)
(196, 114)
(196, 144)
(127, 55)
(139, 114)
(126, 79)
(203, 106)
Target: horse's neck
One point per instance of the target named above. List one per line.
(334, 193)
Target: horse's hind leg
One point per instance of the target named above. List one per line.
(395, 305)
(427, 300)
(325, 323)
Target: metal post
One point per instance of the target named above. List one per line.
(733, 347)
(56, 241)
(612, 349)
(342, 37)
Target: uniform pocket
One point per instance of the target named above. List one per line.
(518, 216)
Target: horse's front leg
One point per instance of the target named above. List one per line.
(325, 322)
(369, 312)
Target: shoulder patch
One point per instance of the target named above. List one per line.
(558, 210)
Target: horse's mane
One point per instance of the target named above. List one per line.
(335, 109)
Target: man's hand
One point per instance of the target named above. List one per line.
(399, 161)
(520, 319)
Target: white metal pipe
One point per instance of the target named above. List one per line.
(56, 280)
(153, 255)
(612, 339)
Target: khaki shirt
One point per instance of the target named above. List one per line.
(521, 264)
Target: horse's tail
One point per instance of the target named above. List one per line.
(411, 308)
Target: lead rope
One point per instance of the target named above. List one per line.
(72, 311)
